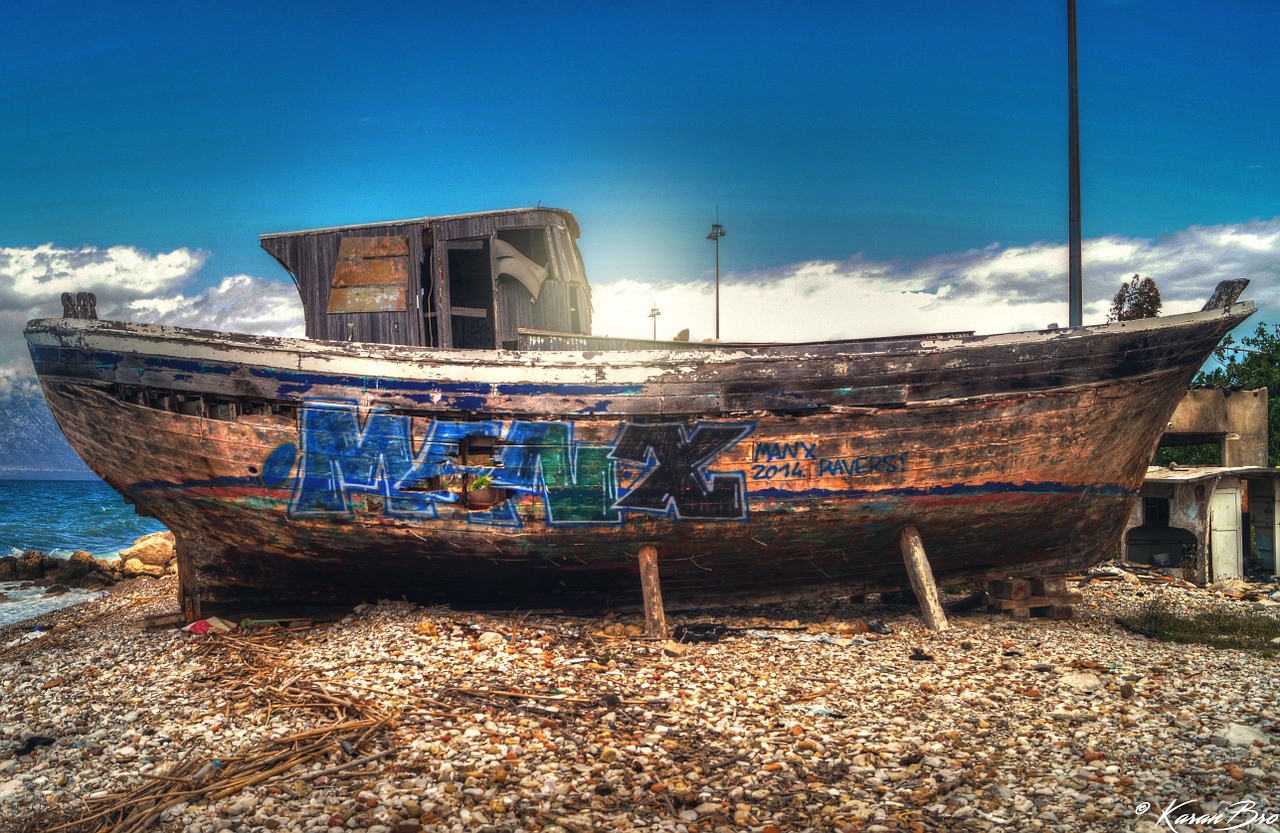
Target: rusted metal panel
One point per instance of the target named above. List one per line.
(312, 258)
(371, 275)
(356, 248)
(368, 299)
(379, 271)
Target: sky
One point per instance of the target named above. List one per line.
(878, 167)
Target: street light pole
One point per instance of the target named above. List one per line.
(717, 231)
(653, 313)
(1075, 280)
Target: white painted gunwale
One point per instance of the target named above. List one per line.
(507, 366)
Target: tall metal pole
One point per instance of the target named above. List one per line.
(1075, 282)
(717, 231)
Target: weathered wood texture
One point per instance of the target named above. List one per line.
(387, 283)
(1043, 596)
(312, 260)
(922, 583)
(1049, 586)
(1034, 601)
(655, 617)
(304, 472)
(1015, 589)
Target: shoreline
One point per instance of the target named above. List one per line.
(78, 573)
(402, 718)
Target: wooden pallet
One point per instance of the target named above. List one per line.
(1022, 598)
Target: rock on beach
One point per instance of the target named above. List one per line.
(154, 550)
(527, 722)
(151, 555)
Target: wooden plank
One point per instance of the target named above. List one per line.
(1033, 601)
(655, 618)
(766, 394)
(162, 621)
(1016, 589)
(922, 582)
(470, 312)
(1048, 586)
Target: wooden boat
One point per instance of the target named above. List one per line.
(451, 432)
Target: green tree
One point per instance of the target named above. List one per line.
(1137, 298)
(1252, 363)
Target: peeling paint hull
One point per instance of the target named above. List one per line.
(302, 473)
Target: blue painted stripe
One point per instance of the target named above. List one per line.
(957, 489)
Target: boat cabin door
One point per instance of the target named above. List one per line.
(466, 306)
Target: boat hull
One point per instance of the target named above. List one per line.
(310, 473)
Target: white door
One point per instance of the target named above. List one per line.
(1224, 531)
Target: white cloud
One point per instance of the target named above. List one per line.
(240, 303)
(994, 289)
(132, 284)
(114, 275)
(991, 290)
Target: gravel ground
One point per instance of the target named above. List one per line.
(428, 719)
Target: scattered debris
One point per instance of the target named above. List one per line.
(31, 744)
(674, 649)
(825, 638)
(399, 720)
(700, 632)
(212, 625)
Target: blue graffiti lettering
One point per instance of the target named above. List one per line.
(343, 452)
(799, 450)
(762, 471)
(577, 480)
(339, 456)
(860, 466)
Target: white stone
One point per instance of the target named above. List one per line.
(1236, 734)
(1081, 681)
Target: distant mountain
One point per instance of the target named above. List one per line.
(31, 444)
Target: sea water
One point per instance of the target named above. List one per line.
(59, 517)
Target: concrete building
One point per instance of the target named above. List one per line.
(1215, 522)
(1235, 419)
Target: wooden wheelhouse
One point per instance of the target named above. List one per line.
(468, 281)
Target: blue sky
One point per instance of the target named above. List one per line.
(854, 132)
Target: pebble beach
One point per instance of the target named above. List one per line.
(399, 718)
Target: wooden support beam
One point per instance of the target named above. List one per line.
(655, 619)
(1014, 589)
(922, 583)
(1049, 586)
(1033, 601)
